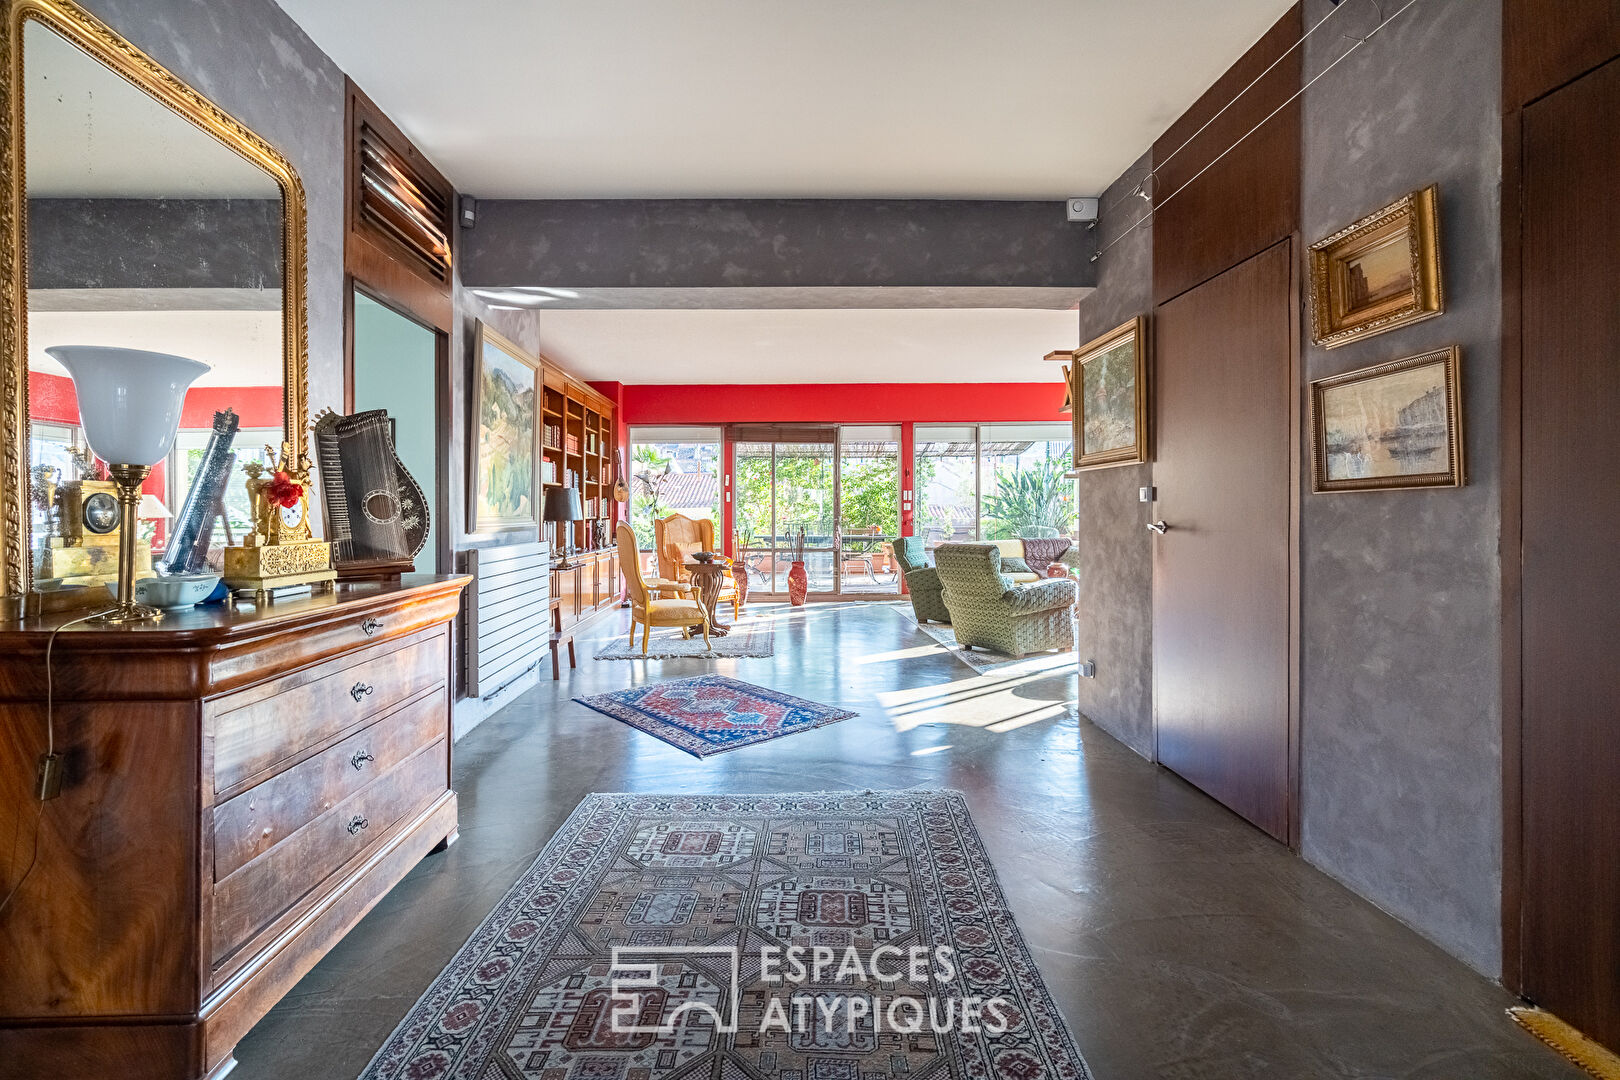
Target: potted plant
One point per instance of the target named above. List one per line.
(798, 580)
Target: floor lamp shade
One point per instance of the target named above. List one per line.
(129, 399)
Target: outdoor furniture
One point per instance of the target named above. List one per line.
(864, 551)
(990, 611)
(922, 580)
(646, 609)
(675, 538)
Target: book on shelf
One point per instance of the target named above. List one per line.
(573, 443)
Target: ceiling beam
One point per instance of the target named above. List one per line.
(775, 244)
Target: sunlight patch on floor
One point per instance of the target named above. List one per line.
(992, 702)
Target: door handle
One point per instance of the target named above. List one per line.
(1159, 527)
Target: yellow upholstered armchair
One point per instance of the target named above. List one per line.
(675, 538)
(646, 609)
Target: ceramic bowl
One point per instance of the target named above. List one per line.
(170, 593)
(703, 556)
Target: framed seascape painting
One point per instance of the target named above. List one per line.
(1109, 380)
(1394, 425)
(1378, 274)
(505, 385)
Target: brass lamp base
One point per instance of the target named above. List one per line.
(122, 614)
(129, 479)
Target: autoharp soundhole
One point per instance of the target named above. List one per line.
(381, 508)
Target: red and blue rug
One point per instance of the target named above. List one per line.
(710, 714)
(831, 936)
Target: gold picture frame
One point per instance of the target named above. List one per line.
(106, 45)
(1378, 274)
(503, 475)
(1393, 425)
(1109, 395)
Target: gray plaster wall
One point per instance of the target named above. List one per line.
(523, 328)
(730, 243)
(252, 60)
(154, 244)
(1400, 718)
(1116, 557)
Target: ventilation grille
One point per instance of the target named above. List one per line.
(397, 201)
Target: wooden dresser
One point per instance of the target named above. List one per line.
(241, 787)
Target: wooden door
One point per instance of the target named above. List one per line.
(1221, 572)
(1570, 606)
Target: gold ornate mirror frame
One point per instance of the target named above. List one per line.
(104, 44)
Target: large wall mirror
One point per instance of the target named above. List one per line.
(141, 217)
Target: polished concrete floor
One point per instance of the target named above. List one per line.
(1179, 941)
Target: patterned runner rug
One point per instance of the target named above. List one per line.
(654, 938)
(749, 637)
(710, 714)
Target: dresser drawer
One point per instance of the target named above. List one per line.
(263, 816)
(257, 729)
(255, 895)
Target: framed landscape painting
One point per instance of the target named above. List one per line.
(1394, 425)
(505, 383)
(1109, 397)
(1378, 274)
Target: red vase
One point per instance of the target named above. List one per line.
(739, 575)
(798, 585)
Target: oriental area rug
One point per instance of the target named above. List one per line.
(748, 637)
(828, 936)
(710, 714)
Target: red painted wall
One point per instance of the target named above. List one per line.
(845, 403)
(51, 397)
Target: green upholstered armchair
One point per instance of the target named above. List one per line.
(922, 581)
(990, 611)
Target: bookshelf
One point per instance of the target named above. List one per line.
(576, 450)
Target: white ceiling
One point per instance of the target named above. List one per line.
(91, 134)
(242, 348)
(873, 345)
(1033, 99)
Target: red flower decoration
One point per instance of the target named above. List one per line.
(282, 491)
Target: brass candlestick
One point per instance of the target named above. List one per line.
(129, 479)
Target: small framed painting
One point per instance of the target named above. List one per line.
(501, 489)
(1394, 425)
(1109, 388)
(1381, 273)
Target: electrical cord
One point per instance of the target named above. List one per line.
(50, 751)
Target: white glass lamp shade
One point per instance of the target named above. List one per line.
(129, 399)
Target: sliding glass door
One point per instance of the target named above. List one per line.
(840, 490)
(784, 487)
(868, 509)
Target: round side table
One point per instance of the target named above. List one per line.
(708, 576)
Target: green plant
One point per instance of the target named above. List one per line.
(1038, 495)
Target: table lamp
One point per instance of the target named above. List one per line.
(129, 404)
(562, 504)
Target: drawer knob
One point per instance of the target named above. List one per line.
(360, 758)
(357, 823)
(370, 626)
(359, 690)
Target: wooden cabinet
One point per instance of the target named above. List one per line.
(241, 788)
(589, 587)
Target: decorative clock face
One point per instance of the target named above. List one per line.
(292, 516)
(101, 513)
